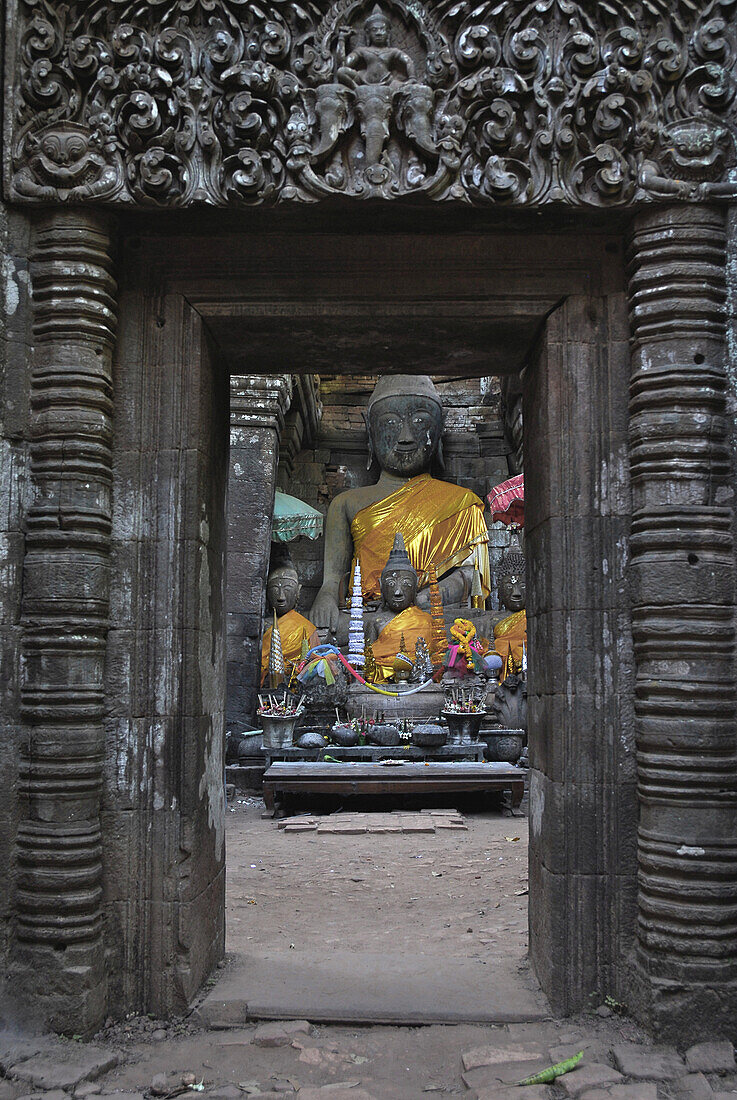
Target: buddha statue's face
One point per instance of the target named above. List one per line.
(405, 432)
(282, 590)
(512, 591)
(398, 588)
(377, 31)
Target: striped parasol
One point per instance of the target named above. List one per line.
(507, 501)
(293, 518)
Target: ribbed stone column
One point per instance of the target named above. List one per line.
(682, 582)
(59, 959)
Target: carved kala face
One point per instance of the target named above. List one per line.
(282, 590)
(63, 156)
(694, 148)
(398, 588)
(405, 432)
(512, 591)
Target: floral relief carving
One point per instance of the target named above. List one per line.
(174, 102)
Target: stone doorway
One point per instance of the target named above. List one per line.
(195, 307)
(192, 304)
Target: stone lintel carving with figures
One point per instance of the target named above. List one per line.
(173, 103)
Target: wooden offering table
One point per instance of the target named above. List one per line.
(451, 777)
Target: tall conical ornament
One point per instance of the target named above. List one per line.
(356, 637)
(276, 656)
(439, 638)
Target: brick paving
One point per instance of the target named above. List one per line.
(398, 821)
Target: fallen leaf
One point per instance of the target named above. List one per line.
(511, 838)
(437, 874)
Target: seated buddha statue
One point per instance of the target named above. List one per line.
(282, 592)
(399, 622)
(441, 523)
(510, 630)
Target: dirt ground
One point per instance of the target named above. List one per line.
(447, 894)
(462, 893)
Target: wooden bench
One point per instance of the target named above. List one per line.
(451, 777)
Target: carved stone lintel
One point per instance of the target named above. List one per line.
(682, 576)
(513, 103)
(65, 618)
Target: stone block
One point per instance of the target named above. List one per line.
(602, 839)
(593, 1051)
(120, 1096)
(14, 1050)
(505, 1072)
(572, 959)
(66, 1068)
(648, 1063)
(694, 1086)
(716, 1057)
(578, 563)
(336, 1091)
(569, 731)
(87, 1088)
(514, 1092)
(497, 1054)
(588, 1076)
(52, 1094)
(279, 1033)
(640, 1091)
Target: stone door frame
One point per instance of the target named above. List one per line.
(119, 853)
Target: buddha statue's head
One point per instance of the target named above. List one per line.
(404, 421)
(283, 588)
(376, 28)
(510, 579)
(399, 581)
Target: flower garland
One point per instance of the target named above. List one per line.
(464, 633)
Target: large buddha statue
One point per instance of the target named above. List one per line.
(398, 616)
(441, 523)
(510, 630)
(282, 592)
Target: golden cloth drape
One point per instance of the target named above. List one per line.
(441, 524)
(511, 631)
(291, 627)
(413, 623)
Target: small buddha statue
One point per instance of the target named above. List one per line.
(442, 523)
(282, 593)
(398, 623)
(510, 630)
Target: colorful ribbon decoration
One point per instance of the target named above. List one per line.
(318, 664)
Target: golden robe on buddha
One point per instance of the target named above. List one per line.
(292, 627)
(412, 623)
(441, 524)
(511, 631)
